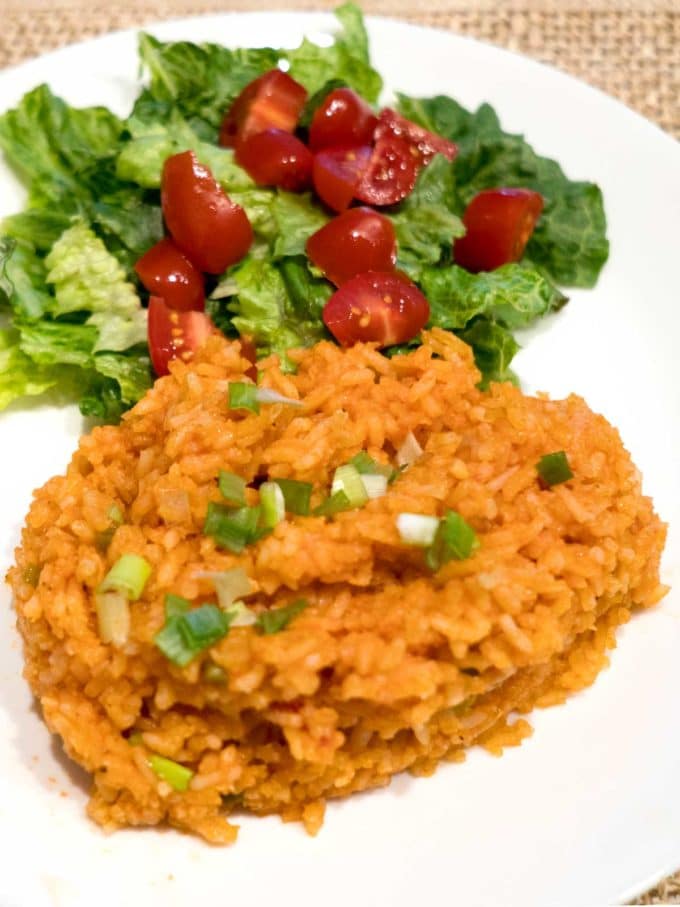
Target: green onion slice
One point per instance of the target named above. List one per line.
(113, 617)
(375, 485)
(127, 576)
(241, 615)
(176, 775)
(230, 585)
(278, 619)
(232, 488)
(417, 528)
(233, 529)
(346, 478)
(243, 396)
(455, 540)
(188, 633)
(554, 468)
(175, 606)
(365, 465)
(272, 504)
(336, 503)
(296, 495)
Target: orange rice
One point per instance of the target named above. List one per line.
(390, 667)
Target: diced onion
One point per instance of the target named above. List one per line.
(272, 504)
(113, 617)
(230, 585)
(417, 528)
(375, 485)
(347, 478)
(267, 395)
(409, 451)
(242, 615)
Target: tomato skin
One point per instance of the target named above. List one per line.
(276, 158)
(391, 172)
(273, 100)
(427, 144)
(165, 271)
(206, 225)
(499, 223)
(376, 307)
(354, 242)
(344, 118)
(336, 174)
(174, 335)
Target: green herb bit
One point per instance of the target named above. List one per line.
(187, 633)
(336, 503)
(31, 575)
(213, 673)
(127, 576)
(243, 396)
(272, 504)
(175, 606)
(365, 465)
(554, 468)
(274, 621)
(346, 478)
(233, 529)
(454, 540)
(176, 775)
(296, 495)
(232, 488)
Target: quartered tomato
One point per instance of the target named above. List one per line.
(391, 172)
(167, 272)
(174, 335)
(336, 174)
(426, 143)
(498, 223)
(272, 101)
(343, 118)
(378, 307)
(208, 227)
(276, 158)
(354, 242)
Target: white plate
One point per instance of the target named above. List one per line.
(588, 810)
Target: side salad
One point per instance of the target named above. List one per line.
(263, 193)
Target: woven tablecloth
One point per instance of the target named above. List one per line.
(629, 49)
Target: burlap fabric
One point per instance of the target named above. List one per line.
(630, 49)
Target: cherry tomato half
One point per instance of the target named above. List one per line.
(354, 242)
(377, 307)
(174, 335)
(499, 223)
(337, 172)
(167, 272)
(343, 118)
(273, 100)
(427, 144)
(276, 158)
(208, 227)
(391, 172)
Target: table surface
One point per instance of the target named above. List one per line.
(628, 48)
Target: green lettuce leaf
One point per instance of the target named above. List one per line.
(20, 376)
(22, 279)
(513, 295)
(570, 241)
(425, 222)
(494, 348)
(131, 371)
(58, 343)
(307, 294)
(87, 278)
(296, 217)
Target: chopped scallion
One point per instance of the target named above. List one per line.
(375, 485)
(243, 396)
(232, 488)
(127, 576)
(336, 503)
(188, 633)
(175, 605)
(365, 465)
(267, 395)
(176, 775)
(272, 504)
(229, 585)
(113, 617)
(346, 478)
(233, 529)
(278, 619)
(554, 468)
(296, 495)
(417, 528)
(242, 616)
(455, 540)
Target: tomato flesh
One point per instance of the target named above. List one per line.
(343, 118)
(167, 272)
(498, 224)
(376, 307)
(354, 242)
(272, 101)
(174, 335)
(206, 225)
(426, 143)
(276, 158)
(391, 172)
(336, 173)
